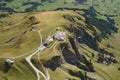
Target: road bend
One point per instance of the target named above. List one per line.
(28, 59)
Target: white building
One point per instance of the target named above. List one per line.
(9, 61)
(60, 35)
(42, 48)
(48, 40)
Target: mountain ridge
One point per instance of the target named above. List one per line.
(88, 48)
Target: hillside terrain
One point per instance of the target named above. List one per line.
(59, 40)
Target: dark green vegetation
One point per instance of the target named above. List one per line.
(104, 6)
(91, 51)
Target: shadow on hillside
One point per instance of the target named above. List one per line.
(80, 1)
(8, 0)
(105, 27)
(53, 63)
(7, 67)
(81, 36)
(50, 1)
(33, 7)
(6, 9)
(75, 59)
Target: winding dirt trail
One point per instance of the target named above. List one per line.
(37, 71)
(28, 59)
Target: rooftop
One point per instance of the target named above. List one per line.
(60, 35)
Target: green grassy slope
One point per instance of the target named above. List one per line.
(104, 6)
(16, 42)
(96, 22)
